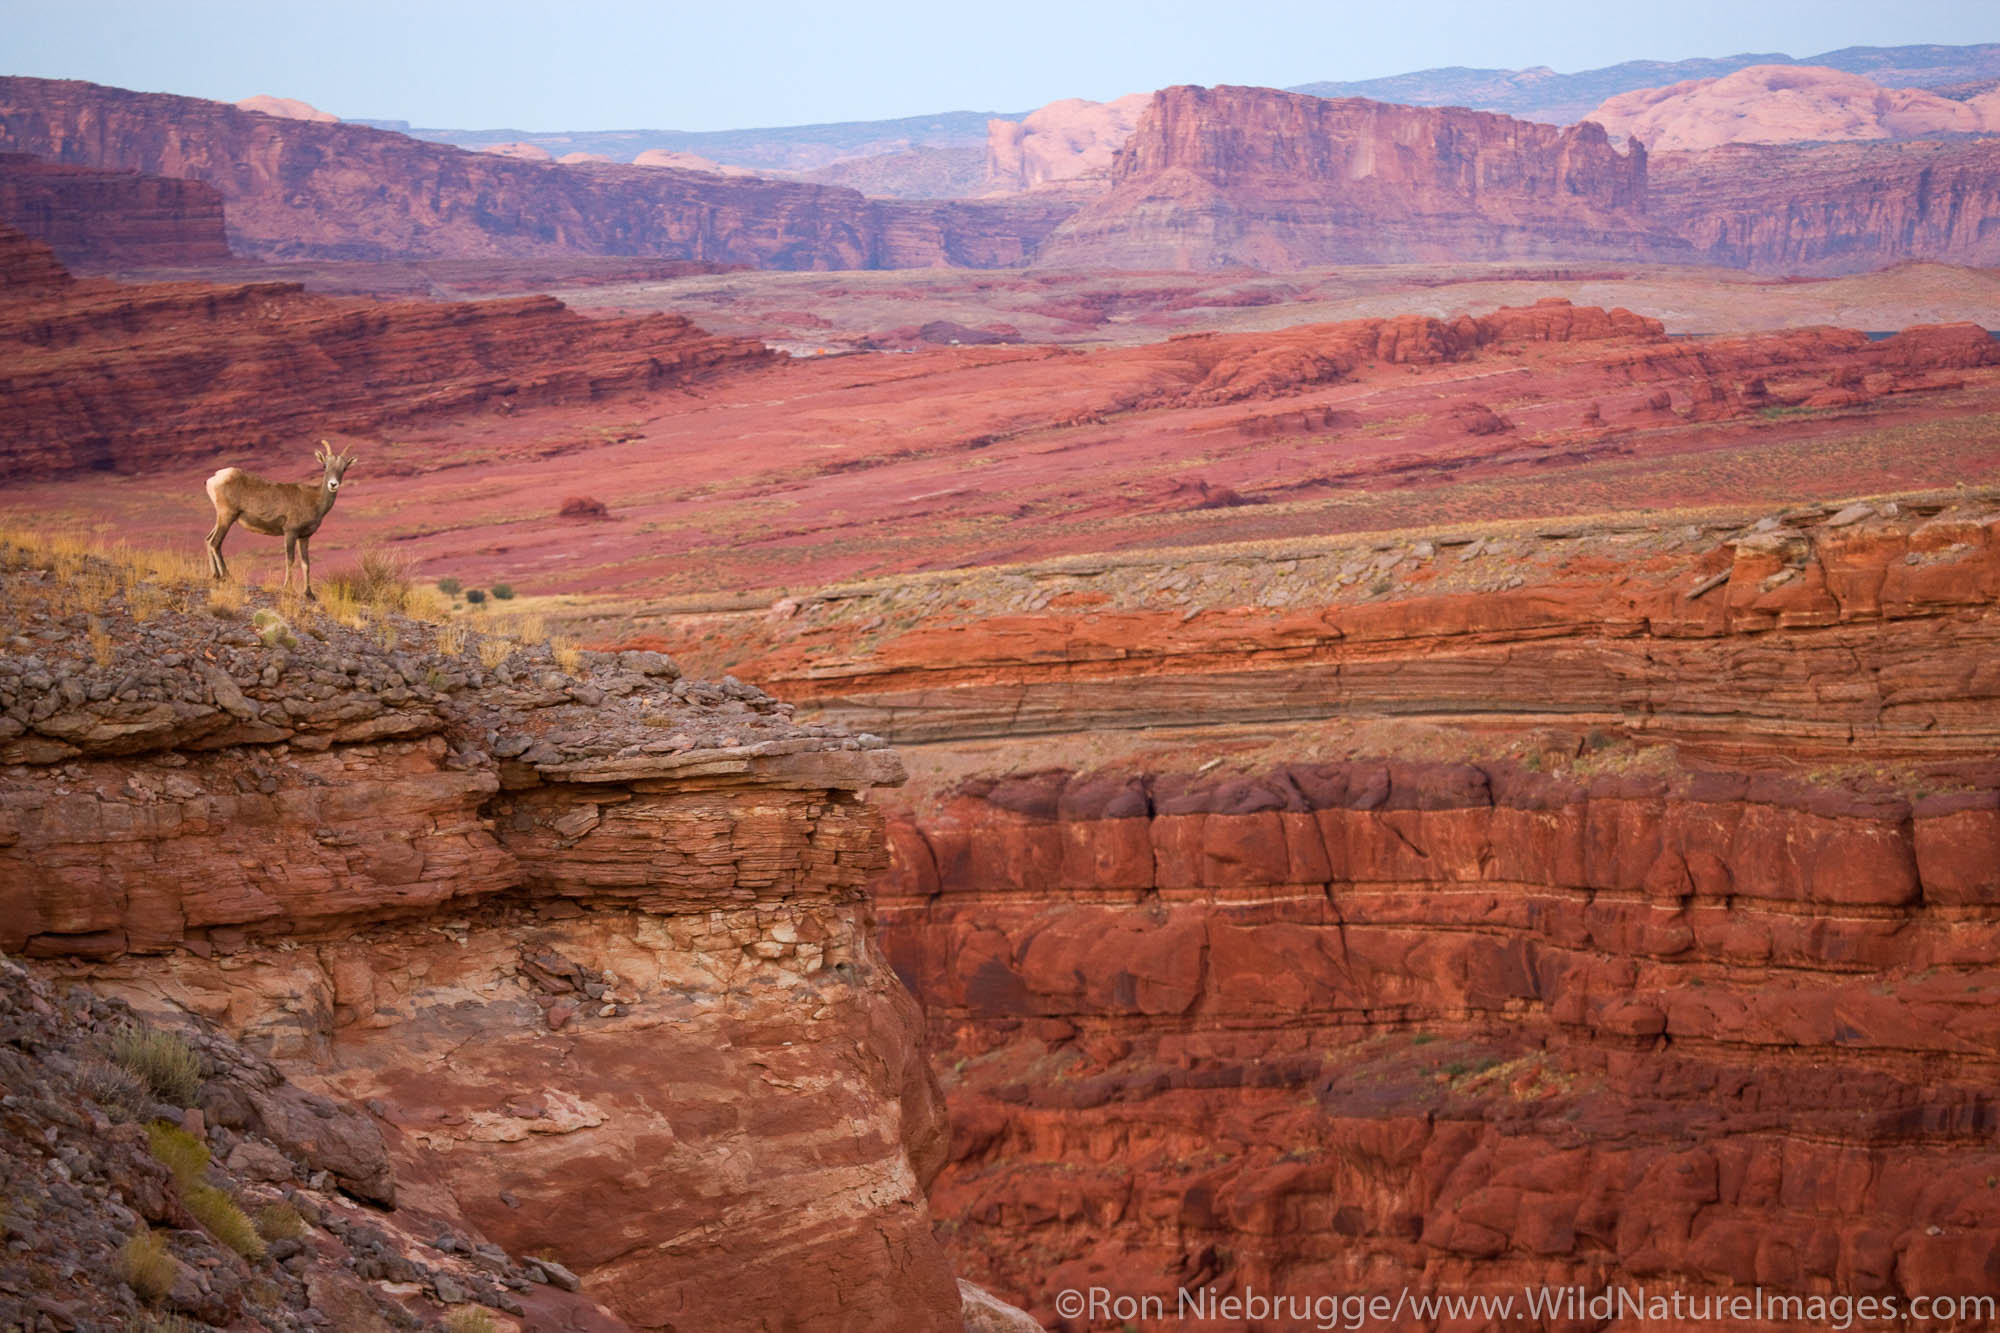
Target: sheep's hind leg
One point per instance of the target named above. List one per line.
(218, 568)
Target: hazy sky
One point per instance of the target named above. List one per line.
(719, 65)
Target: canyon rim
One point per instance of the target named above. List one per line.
(1217, 707)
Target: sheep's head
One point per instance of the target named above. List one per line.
(336, 464)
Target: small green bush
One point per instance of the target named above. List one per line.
(179, 1151)
(469, 1319)
(504, 591)
(146, 1266)
(449, 587)
(216, 1211)
(280, 1221)
(475, 595)
(164, 1059)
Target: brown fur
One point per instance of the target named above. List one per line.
(291, 510)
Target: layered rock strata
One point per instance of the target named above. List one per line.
(1833, 208)
(590, 944)
(100, 220)
(300, 188)
(104, 376)
(1598, 902)
(1217, 177)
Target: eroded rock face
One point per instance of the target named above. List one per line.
(111, 219)
(1833, 208)
(208, 367)
(77, 1124)
(592, 948)
(1063, 141)
(1787, 104)
(303, 188)
(1214, 177)
(1469, 910)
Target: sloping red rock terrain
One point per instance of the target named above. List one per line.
(302, 188)
(104, 376)
(111, 219)
(817, 470)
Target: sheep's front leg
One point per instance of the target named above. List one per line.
(306, 567)
(291, 554)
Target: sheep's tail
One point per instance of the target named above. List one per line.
(215, 482)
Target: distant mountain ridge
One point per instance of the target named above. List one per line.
(774, 148)
(1539, 94)
(1560, 99)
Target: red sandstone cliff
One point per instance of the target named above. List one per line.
(111, 219)
(590, 949)
(1590, 902)
(1834, 208)
(115, 377)
(1215, 177)
(302, 188)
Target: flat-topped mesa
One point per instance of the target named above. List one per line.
(1214, 177)
(503, 897)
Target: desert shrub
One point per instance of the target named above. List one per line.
(145, 1265)
(118, 1092)
(381, 581)
(475, 596)
(273, 630)
(503, 592)
(280, 1221)
(449, 587)
(469, 1319)
(583, 506)
(179, 1151)
(164, 1059)
(217, 1212)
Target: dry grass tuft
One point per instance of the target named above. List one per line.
(145, 1265)
(381, 582)
(179, 1151)
(469, 1319)
(220, 1216)
(164, 1059)
(280, 1221)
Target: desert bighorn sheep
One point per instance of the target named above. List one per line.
(291, 510)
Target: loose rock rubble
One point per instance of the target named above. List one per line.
(78, 1180)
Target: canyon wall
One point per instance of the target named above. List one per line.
(104, 376)
(111, 219)
(589, 945)
(1585, 902)
(297, 188)
(1834, 208)
(1214, 177)
(1210, 178)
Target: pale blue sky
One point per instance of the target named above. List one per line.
(774, 62)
